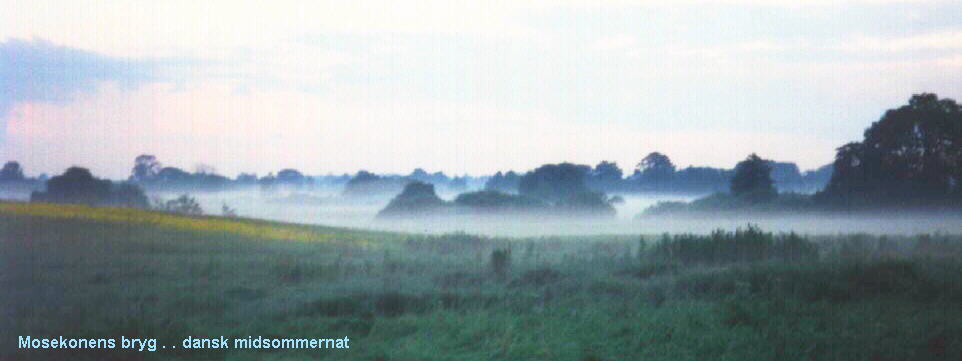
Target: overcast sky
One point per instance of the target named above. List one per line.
(333, 87)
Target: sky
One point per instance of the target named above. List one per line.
(460, 87)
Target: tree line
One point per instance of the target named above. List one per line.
(910, 157)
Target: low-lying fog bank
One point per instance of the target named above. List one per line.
(330, 208)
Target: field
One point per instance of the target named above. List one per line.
(75, 271)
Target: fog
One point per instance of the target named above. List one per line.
(329, 207)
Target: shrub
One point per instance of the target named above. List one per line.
(184, 204)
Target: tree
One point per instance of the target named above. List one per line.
(173, 175)
(753, 180)
(655, 169)
(702, 179)
(607, 171)
(503, 182)
(605, 176)
(495, 201)
(291, 177)
(553, 182)
(75, 185)
(145, 168)
(246, 178)
(911, 156)
(786, 175)
(128, 195)
(416, 198)
(78, 186)
(11, 172)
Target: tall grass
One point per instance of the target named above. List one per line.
(749, 244)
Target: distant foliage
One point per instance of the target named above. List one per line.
(365, 183)
(498, 201)
(753, 180)
(563, 186)
(416, 198)
(149, 172)
(291, 178)
(553, 182)
(128, 195)
(605, 176)
(145, 169)
(748, 244)
(184, 204)
(78, 186)
(503, 182)
(586, 203)
(912, 156)
(657, 170)
(12, 172)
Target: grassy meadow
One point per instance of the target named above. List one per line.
(77, 271)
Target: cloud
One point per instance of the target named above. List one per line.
(39, 71)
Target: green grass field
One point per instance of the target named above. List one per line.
(105, 273)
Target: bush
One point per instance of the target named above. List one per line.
(184, 204)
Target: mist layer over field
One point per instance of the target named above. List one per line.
(329, 207)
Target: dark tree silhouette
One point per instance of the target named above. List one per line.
(77, 185)
(495, 201)
(246, 179)
(553, 182)
(416, 198)
(607, 172)
(912, 156)
(655, 169)
(753, 180)
(291, 177)
(11, 172)
(145, 168)
(503, 182)
(606, 176)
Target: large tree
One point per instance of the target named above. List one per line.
(77, 185)
(655, 170)
(503, 182)
(911, 156)
(145, 169)
(606, 176)
(753, 180)
(11, 172)
(553, 182)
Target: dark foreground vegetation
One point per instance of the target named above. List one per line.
(730, 295)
